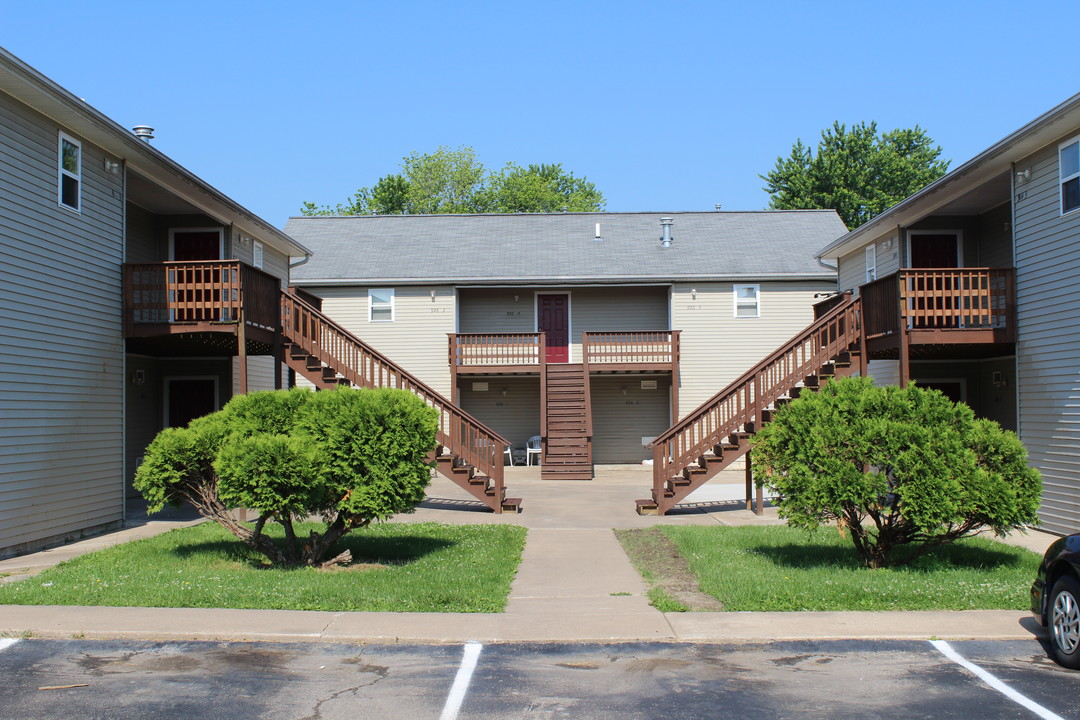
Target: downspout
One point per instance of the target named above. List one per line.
(1015, 313)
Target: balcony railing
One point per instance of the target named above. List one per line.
(205, 292)
(654, 347)
(953, 299)
(471, 349)
(660, 347)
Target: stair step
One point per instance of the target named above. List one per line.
(580, 475)
(679, 480)
(646, 507)
(511, 504)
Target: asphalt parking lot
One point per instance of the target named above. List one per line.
(44, 679)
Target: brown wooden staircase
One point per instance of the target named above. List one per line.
(718, 432)
(568, 421)
(469, 453)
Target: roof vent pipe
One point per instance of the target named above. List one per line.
(666, 238)
(143, 132)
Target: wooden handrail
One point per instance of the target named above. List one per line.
(202, 291)
(363, 366)
(939, 299)
(645, 346)
(495, 349)
(955, 298)
(739, 405)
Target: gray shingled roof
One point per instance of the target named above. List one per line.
(560, 247)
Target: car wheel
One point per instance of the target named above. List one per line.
(1064, 621)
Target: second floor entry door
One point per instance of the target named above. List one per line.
(553, 318)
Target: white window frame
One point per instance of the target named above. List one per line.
(735, 300)
(61, 173)
(257, 254)
(871, 262)
(372, 306)
(1062, 180)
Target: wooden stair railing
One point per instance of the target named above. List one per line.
(469, 453)
(718, 432)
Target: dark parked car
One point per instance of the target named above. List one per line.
(1055, 599)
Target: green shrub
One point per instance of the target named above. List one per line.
(347, 456)
(894, 467)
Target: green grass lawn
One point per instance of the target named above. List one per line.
(781, 568)
(403, 567)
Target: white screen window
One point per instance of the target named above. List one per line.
(747, 300)
(257, 254)
(69, 173)
(1069, 169)
(380, 304)
(871, 263)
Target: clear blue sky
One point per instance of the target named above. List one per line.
(664, 108)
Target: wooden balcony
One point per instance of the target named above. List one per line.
(209, 296)
(503, 353)
(940, 307)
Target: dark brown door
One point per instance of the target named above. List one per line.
(189, 246)
(189, 399)
(553, 318)
(935, 300)
(952, 389)
(934, 251)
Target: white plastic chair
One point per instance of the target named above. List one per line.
(532, 448)
(509, 453)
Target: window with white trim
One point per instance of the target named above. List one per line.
(69, 173)
(1069, 175)
(380, 304)
(871, 263)
(257, 254)
(747, 300)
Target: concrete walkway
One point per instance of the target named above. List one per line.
(574, 584)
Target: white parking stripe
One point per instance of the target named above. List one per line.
(945, 649)
(5, 643)
(461, 682)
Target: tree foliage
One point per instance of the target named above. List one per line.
(347, 456)
(857, 172)
(894, 467)
(455, 181)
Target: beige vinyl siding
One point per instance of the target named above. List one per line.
(61, 455)
(260, 373)
(717, 347)
(417, 338)
(613, 309)
(1048, 348)
(884, 372)
(852, 267)
(515, 415)
(275, 262)
(623, 413)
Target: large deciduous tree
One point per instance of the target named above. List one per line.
(857, 172)
(455, 181)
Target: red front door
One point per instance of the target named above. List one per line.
(553, 318)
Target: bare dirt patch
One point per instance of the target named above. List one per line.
(661, 564)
